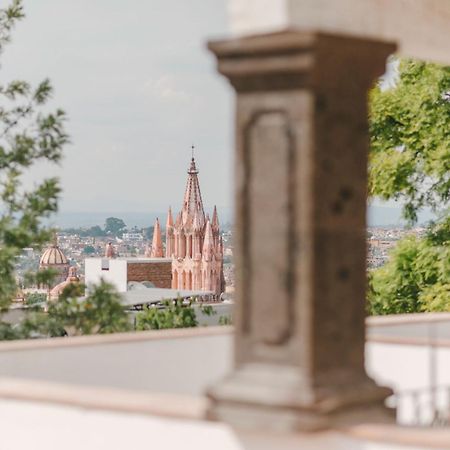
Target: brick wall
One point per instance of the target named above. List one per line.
(158, 273)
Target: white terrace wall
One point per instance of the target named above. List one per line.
(189, 361)
(111, 270)
(174, 361)
(411, 371)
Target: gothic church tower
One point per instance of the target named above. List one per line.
(193, 242)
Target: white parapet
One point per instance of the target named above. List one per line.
(420, 27)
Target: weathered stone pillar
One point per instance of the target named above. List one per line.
(301, 187)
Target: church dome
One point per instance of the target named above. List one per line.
(53, 256)
(71, 279)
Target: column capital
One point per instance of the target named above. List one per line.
(294, 59)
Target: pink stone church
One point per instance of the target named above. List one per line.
(193, 242)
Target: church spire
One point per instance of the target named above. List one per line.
(157, 249)
(215, 220)
(169, 222)
(192, 197)
(194, 243)
(170, 238)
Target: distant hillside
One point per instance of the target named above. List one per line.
(386, 215)
(377, 216)
(132, 219)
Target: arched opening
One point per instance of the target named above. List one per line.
(183, 285)
(190, 280)
(190, 246)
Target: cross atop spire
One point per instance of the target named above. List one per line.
(192, 169)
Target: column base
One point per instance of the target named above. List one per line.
(277, 398)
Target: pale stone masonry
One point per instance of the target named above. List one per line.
(300, 242)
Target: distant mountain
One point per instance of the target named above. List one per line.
(132, 219)
(386, 215)
(89, 219)
(377, 216)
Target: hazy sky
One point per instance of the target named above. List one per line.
(139, 87)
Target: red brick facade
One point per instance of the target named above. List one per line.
(158, 273)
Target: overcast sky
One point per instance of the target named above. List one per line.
(139, 87)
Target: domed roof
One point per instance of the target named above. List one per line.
(72, 278)
(53, 256)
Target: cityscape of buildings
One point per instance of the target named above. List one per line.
(135, 243)
(196, 254)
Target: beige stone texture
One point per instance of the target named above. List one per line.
(301, 185)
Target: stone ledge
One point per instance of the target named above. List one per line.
(396, 319)
(121, 400)
(114, 338)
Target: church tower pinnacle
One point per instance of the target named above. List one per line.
(170, 239)
(193, 242)
(157, 248)
(192, 196)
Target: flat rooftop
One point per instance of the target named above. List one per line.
(155, 295)
(132, 259)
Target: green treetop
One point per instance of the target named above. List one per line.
(410, 138)
(417, 276)
(115, 226)
(410, 162)
(28, 135)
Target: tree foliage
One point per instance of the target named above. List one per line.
(34, 298)
(89, 250)
(115, 226)
(173, 315)
(410, 138)
(410, 161)
(148, 232)
(417, 276)
(101, 312)
(176, 314)
(27, 135)
(95, 231)
(225, 320)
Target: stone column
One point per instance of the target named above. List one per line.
(301, 187)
